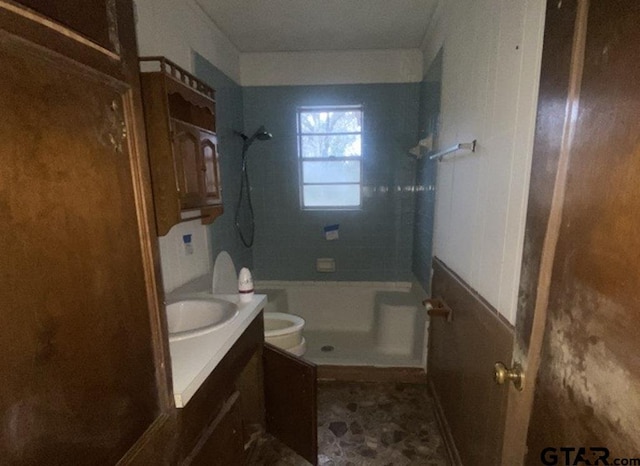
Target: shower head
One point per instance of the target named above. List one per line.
(261, 134)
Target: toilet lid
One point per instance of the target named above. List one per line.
(225, 278)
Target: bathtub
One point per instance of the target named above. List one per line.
(355, 323)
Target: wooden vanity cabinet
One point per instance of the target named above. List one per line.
(255, 386)
(200, 422)
(223, 443)
(181, 135)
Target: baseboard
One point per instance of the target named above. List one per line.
(450, 446)
(415, 375)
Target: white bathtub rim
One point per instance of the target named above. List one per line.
(297, 323)
(283, 284)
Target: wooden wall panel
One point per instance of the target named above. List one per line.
(460, 368)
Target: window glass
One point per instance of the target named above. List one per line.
(330, 156)
(319, 171)
(332, 195)
(344, 145)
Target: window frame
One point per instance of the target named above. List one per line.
(299, 135)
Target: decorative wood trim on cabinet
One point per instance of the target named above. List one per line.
(181, 123)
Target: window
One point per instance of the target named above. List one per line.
(330, 157)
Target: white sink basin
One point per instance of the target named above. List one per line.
(193, 317)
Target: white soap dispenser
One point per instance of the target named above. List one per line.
(245, 285)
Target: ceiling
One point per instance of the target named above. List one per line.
(305, 25)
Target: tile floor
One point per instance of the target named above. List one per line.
(367, 424)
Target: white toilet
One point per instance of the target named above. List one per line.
(285, 331)
(280, 329)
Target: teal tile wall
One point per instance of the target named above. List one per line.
(376, 242)
(425, 194)
(389, 239)
(222, 234)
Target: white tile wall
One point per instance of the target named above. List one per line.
(491, 69)
(179, 268)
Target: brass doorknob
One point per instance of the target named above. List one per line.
(501, 375)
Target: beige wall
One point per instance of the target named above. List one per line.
(331, 67)
(175, 28)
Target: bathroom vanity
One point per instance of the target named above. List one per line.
(229, 385)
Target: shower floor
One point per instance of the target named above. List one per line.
(352, 349)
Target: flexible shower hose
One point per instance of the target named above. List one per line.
(245, 185)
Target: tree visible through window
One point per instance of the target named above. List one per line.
(330, 156)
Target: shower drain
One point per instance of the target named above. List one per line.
(327, 348)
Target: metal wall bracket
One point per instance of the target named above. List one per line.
(471, 146)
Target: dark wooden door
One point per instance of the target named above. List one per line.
(583, 234)
(587, 386)
(77, 310)
(290, 389)
(555, 91)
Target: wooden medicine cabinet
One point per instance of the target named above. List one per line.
(180, 117)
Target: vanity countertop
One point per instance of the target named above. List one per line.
(193, 359)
